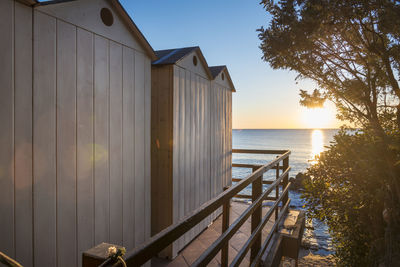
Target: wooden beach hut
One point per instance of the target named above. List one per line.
(75, 130)
(183, 138)
(221, 127)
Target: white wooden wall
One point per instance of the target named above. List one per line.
(221, 140)
(192, 144)
(191, 149)
(74, 139)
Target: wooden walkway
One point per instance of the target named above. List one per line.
(194, 249)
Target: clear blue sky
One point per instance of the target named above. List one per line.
(226, 33)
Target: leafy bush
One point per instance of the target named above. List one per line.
(347, 189)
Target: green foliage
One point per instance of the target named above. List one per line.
(314, 100)
(345, 189)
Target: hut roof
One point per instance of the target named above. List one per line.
(216, 70)
(121, 12)
(173, 56)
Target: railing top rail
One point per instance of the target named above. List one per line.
(146, 251)
(259, 151)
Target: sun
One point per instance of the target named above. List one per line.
(317, 118)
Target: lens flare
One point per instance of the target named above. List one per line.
(317, 141)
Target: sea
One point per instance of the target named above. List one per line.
(304, 145)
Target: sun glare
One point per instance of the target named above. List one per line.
(316, 118)
(317, 141)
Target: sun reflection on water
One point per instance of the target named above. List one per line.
(317, 141)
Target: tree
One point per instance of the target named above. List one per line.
(351, 49)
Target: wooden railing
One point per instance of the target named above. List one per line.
(140, 255)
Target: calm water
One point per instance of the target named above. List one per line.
(304, 144)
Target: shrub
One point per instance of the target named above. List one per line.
(348, 190)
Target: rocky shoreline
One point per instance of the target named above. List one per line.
(308, 259)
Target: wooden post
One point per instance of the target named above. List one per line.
(285, 180)
(256, 216)
(277, 192)
(96, 255)
(225, 225)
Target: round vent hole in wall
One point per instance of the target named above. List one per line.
(106, 16)
(223, 76)
(195, 60)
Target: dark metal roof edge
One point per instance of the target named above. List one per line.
(195, 49)
(225, 68)
(173, 52)
(30, 3)
(51, 2)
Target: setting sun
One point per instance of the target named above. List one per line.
(317, 118)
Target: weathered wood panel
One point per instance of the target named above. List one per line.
(189, 190)
(201, 143)
(175, 152)
(147, 146)
(229, 134)
(139, 148)
(66, 144)
(192, 143)
(7, 244)
(181, 145)
(129, 148)
(196, 118)
(44, 140)
(213, 153)
(23, 134)
(222, 135)
(101, 139)
(161, 150)
(116, 201)
(85, 141)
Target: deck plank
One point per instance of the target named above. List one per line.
(194, 249)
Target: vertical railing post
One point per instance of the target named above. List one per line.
(225, 226)
(277, 192)
(285, 180)
(256, 216)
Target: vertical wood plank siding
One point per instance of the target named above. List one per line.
(66, 144)
(45, 140)
(85, 141)
(23, 134)
(7, 123)
(191, 145)
(221, 121)
(192, 154)
(75, 141)
(139, 156)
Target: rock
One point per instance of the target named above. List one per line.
(309, 260)
(298, 181)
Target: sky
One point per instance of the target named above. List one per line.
(226, 32)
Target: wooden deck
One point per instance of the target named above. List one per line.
(194, 249)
